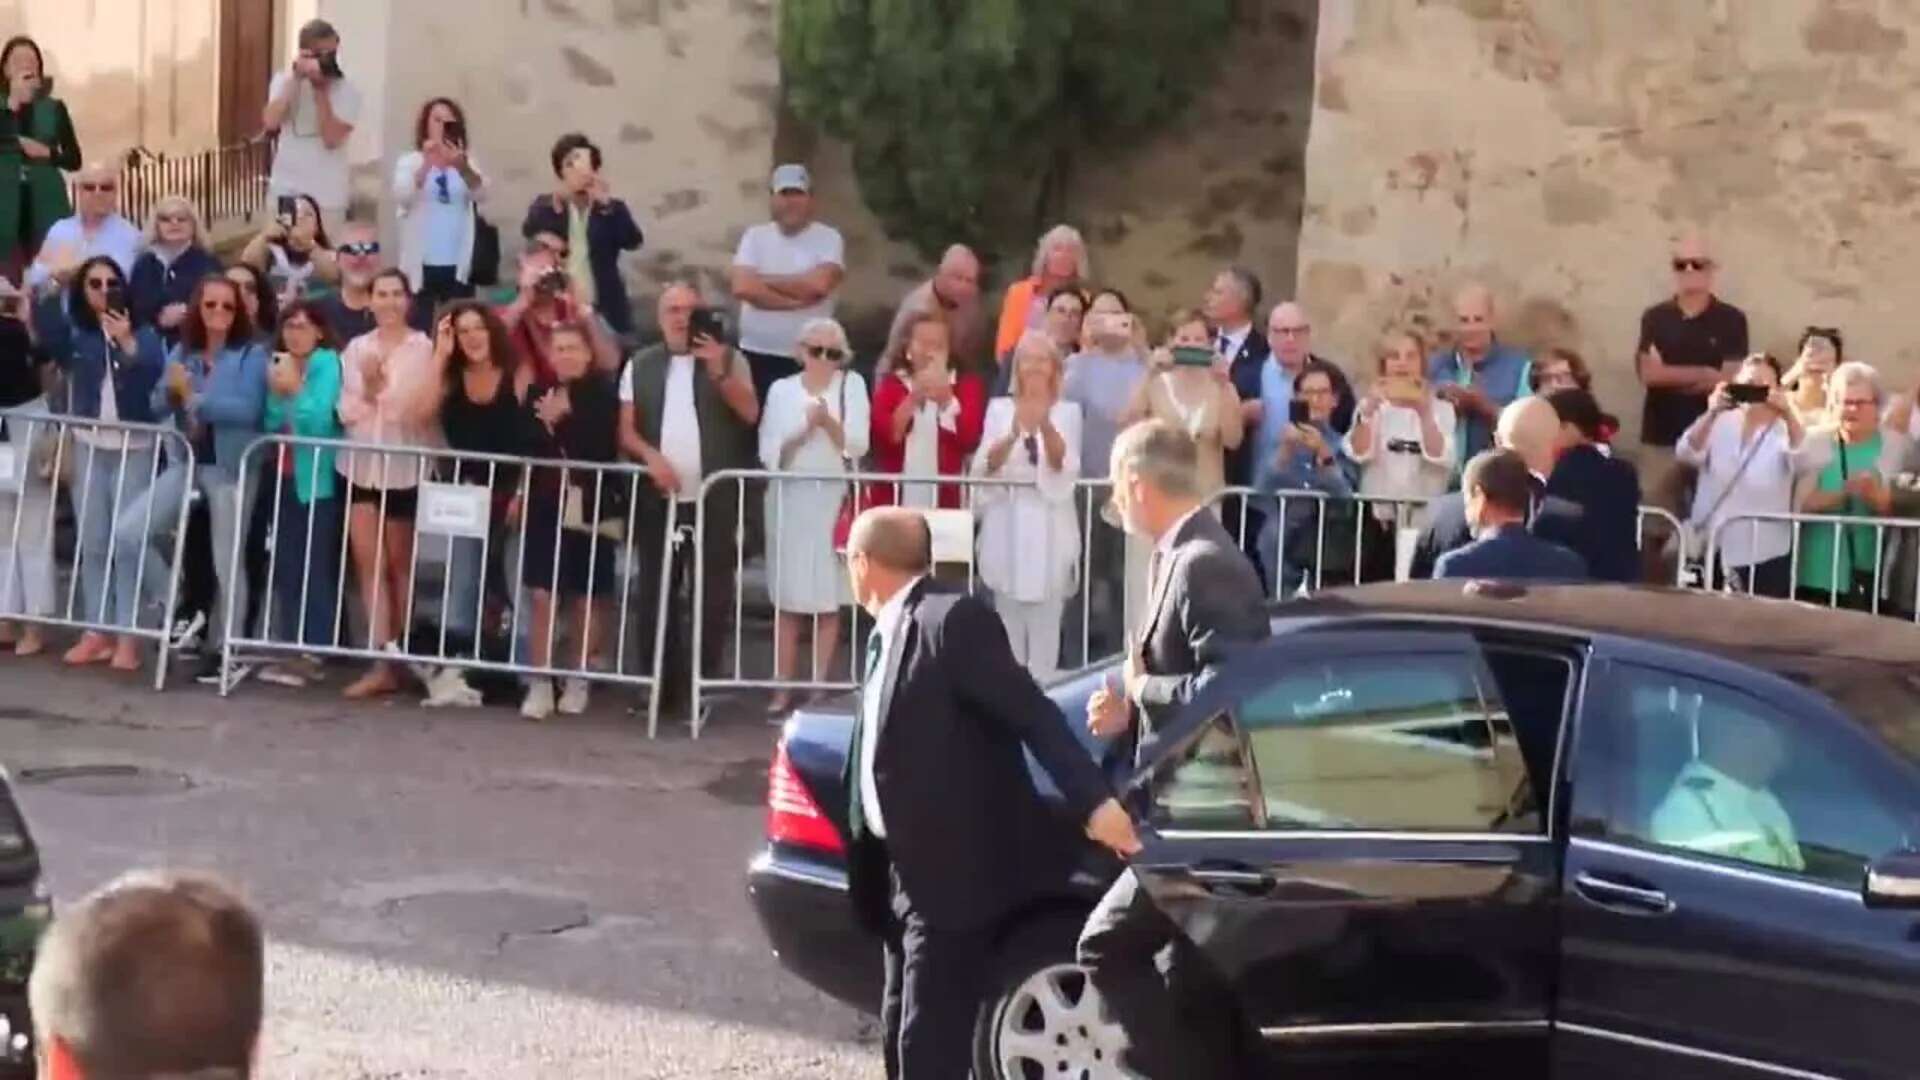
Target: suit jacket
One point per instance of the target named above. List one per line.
(1607, 491)
(1447, 530)
(1208, 604)
(1511, 552)
(1244, 371)
(967, 833)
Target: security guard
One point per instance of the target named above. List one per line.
(1720, 804)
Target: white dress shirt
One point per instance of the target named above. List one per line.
(1232, 341)
(887, 625)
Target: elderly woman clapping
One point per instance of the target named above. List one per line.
(1029, 544)
(1848, 469)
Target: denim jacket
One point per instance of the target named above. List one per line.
(84, 357)
(231, 403)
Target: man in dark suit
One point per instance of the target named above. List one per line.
(1607, 490)
(949, 834)
(1499, 492)
(1230, 305)
(1529, 427)
(1204, 602)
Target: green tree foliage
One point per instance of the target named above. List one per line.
(964, 115)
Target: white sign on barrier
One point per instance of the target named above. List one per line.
(454, 510)
(10, 467)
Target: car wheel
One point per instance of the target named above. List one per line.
(1044, 1018)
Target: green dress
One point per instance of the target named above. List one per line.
(33, 193)
(1820, 567)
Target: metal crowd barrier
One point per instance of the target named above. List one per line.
(456, 507)
(1893, 579)
(100, 469)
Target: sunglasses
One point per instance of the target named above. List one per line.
(826, 352)
(218, 305)
(91, 187)
(1681, 266)
(361, 249)
(444, 192)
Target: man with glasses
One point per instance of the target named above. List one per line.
(349, 310)
(548, 294)
(96, 228)
(1479, 375)
(1266, 405)
(313, 108)
(1689, 344)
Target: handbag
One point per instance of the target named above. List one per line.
(485, 267)
(858, 499)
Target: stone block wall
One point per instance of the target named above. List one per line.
(1552, 147)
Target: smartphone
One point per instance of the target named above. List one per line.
(117, 299)
(1194, 356)
(1747, 393)
(286, 209)
(705, 322)
(454, 132)
(1298, 412)
(1402, 390)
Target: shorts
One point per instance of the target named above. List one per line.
(401, 503)
(583, 555)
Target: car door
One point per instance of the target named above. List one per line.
(1345, 828)
(1713, 919)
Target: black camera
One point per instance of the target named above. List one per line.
(705, 322)
(552, 282)
(329, 64)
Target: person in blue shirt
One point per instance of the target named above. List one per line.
(215, 392)
(1499, 494)
(1317, 533)
(1478, 376)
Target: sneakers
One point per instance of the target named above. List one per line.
(448, 688)
(186, 635)
(573, 695)
(539, 701)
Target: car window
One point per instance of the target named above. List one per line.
(1701, 767)
(1401, 741)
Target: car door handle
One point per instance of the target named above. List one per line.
(1232, 877)
(1609, 893)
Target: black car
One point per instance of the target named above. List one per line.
(1490, 830)
(24, 913)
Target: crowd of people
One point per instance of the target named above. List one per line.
(1324, 472)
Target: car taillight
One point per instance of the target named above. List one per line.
(793, 817)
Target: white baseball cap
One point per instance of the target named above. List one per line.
(792, 178)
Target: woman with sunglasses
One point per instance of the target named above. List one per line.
(389, 396)
(815, 421)
(256, 295)
(437, 190)
(215, 391)
(33, 193)
(164, 276)
(294, 252)
(111, 370)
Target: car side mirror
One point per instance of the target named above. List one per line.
(1893, 881)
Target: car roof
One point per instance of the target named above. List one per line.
(1777, 634)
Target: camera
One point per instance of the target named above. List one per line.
(706, 322)
(286, 210)
(553, 282)
(329, 64)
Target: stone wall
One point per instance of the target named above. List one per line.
(680, 95)
(1222, 185)
(1551, 147)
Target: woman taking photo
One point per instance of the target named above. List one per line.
(389, 396)
(1747, 449)
(436, 191)
(1821, 351)
(816, 421)
(215, 391)
(926, 419)
(295, 254)
(111, 372)
(166, 273)
(575, 518)
(1029, 541)
(1197, 398)
(1402, 440)
(33, 191)
(303, 392)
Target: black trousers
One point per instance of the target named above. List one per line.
(438, 285)
(1179, 1025)
(655, 544)
(768, 369)
(935, 979)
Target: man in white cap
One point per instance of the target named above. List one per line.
(785, 273)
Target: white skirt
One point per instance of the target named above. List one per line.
(804, 574)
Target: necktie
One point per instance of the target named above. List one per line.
(871, 662)
(1222, 345)
(1153, 575)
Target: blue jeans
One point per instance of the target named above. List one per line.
(306, 569)
(133, 537)
(107, 486)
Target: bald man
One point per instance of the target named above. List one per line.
(954, 293)
(1530, 427)
(1689, 344)
(96, 228)
(1479, 374)
(948, 834)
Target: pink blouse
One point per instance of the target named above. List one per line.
(406, 412)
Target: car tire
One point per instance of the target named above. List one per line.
(1042, 1017)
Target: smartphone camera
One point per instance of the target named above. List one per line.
(454, 133)
(1746, 393)
(1298, 412)
(705, 322)
(117, 299)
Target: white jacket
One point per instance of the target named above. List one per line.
(407, 195)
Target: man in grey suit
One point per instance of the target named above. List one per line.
(1204, 601)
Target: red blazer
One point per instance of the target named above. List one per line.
(889, 453)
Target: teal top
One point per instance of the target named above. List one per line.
(1820, 566)
(313, 412)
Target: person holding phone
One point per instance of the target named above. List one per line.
(1402, 442)
(1821, 350)
(1190, 386)
(165, 274)
(547, 295)
(437, 190)
(293, 249)
(926, 420)
(1310, 540)
(1747, 447)
(1101, 379)
(594, 229)
(37, 146)
(313, 108)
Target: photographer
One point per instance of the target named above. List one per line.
(293, 249)
(313, 108)
(548, 296)
(1402, 440)
(1312, 545)
(582, 207)
(1747, 448)
(1194, 393)
(436, 191)
(35, 145)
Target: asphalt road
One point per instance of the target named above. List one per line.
(448, 894)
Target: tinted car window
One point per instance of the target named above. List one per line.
(1403, 741)
(1711, 770)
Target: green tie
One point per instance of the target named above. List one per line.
(856, 816)
(872, 660)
